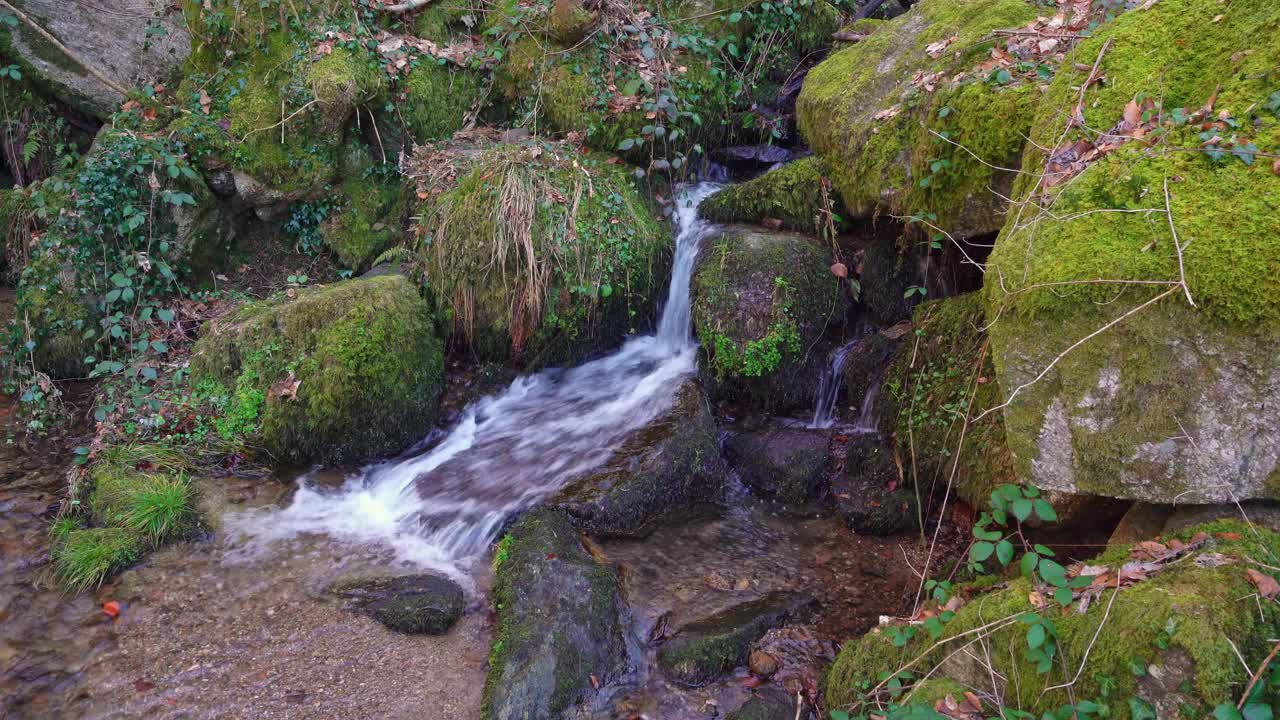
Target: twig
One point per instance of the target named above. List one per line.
(1257, 675)
(279, 124)
(1041, 33)
(65, 50)
(1182, 272)
(406, 6)
(1239, 657)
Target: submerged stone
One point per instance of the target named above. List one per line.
(786, 463)
(870, 495)
(424, 604)
(703, 650)
(671, 465)
(769, 703)
(558, 629)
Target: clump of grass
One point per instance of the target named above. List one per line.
(160, 508)
(83, 558)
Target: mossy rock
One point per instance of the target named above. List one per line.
(938, 375)
(1175, 403)
(342, 373)
(885, 280)
(1176, 626)
(886, 164)
(781, 462)
(414, 604)
(870, 494)
(85, 557)
(48, 299)
(277, 106)
(703, 650)
(542, 254)
(761, 303)
(668, 466)
(768, 703)
(791, 193)
(374, 210)
(558, 629)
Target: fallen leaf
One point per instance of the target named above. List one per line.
(1267, 585)
(1275, 167)
(112, 609)
(595, 683)
(1228, 536)
(1132, 113)
(839, 270)
(206, 102)
(142, 685)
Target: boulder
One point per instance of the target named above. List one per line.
(871, 110)
(768, 703)
(1173, 403)
(342, 373)
(671, 465)
(705, 649)
(791, 194)
(747, 160)
(146, 45)
(372, 214)
(1167, 640)
(885, 276)
(500, 261)
(415, 604)
(558, 630)
(870, 495)
(786, 463)
(867, 364)
(762, 302)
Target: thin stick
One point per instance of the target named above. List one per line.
(1257, 675)
(65, 50)
(406, 6)
(279, 124)
(1182, 271)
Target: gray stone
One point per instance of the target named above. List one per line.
(786, 463)
(410, 603)
(769, 703)
(869, 495)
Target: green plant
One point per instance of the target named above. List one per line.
(162, 509)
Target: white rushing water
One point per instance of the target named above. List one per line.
(824, 401)
(444, 507)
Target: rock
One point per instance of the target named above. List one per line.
(782, 462)
(869, 494)
(885, 277)
(373, 214)
(791, 193)
(761, 304)
(341, 374)
(1177, 404)
(762, 664)
(517, 291)
(416, 604)
(1142, 521)
(866, 365)
(747, 160)
(768, 703)
(670, 465)
(558, 630)
(868, 113)
(703, 650)
(148, 44)
(1260, 513)
(1179, 622)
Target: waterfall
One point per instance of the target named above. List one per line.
(510, 450)
(824, 401)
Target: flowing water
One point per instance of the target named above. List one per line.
(824, 402)
(442, 508)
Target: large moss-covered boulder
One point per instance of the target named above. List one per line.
(669, 465)
(539, 252)
(558, 631)
(146, 45)
(1174, 403)
(872, 109)
(761, 302)
(1165, 640)
(792, 194)
(342, 373)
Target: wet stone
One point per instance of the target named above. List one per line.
(705, 649)
(869, 494)
(770, 703)
(416, 604)
(784, 463)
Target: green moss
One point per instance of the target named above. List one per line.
(368, 366)
(437, 100)
(85, 558)
(580, 258)
(373, 213)
(1184, 607)
(791, 193)
(927, 395)
(56, 315)
(898, 163)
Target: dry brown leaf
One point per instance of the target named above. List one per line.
(1132, 113)
(1267, 585)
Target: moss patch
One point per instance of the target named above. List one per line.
(791, 193)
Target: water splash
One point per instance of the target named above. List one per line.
(443, 508)
(824, 402)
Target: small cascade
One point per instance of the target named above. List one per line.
(867, 413)
(824, 403)
(443, 507)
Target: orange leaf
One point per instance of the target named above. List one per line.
(1267, 585)
(1132, 113)
(112, 608)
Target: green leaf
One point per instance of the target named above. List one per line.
(119, 280)
(606, 290)
(1257, 711)
(632, 87)
(1021, 509)
(1035, 636)
(1004, 552)
(1029, 563)
(1064, 596)
(1045, 511)
(165, 315)
(981, 551)
(1226, 711)
(1053, 573)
